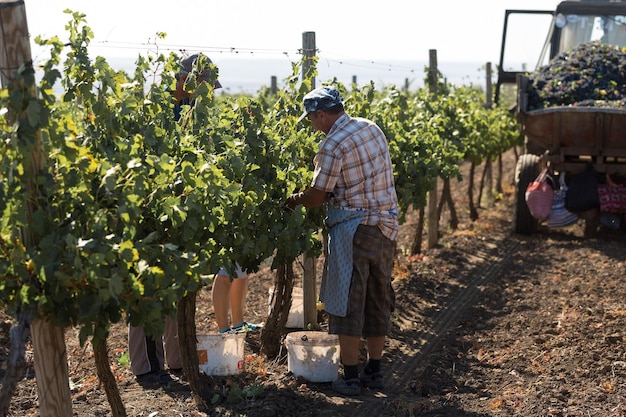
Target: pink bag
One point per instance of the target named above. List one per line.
(612, 197)
(539, 195)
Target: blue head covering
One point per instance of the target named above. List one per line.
(322, 98)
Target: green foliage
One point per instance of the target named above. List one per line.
(236, 394)
(124, 360)
(132, 210)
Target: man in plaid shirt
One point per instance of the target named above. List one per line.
(354, 178)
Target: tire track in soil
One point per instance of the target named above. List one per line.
(409, 350)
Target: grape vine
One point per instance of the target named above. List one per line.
(134, 210)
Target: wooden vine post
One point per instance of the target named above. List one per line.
(433, 220)
(489, 162)
(489, 105)
(308, 51)
(48, 340)
(309, 309)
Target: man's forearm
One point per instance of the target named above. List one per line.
(311, 197)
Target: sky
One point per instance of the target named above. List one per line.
(362, 36)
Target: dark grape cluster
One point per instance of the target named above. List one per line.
(590, 74)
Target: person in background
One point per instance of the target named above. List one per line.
(353, 177)
(148, 355)
(228, 294)
(182, 97)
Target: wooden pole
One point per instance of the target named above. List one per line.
(51, 371)
(14, 37)
(309, 292)
(309, 275)
(489, 162)
(309, 50)
(48, 340)
(489, 86)
(433, 221)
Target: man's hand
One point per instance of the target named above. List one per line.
(180, 93)
(311, 197)
(293, 200)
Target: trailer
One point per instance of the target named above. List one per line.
(566, 137)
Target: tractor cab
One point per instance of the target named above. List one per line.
(533, 37)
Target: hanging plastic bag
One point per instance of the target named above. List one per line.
(559, 215)
(539, 196)
(612, 196)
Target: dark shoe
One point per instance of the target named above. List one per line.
(155, 378)
(373, 381)
(350, 387)
(177, 374)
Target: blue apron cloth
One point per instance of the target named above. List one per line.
(337, 275)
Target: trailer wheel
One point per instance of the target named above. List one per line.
(526, 171)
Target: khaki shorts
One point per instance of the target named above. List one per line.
(239, 273)
(372, 299)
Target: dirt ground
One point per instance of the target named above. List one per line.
(487, 323)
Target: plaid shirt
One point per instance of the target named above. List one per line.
(353, 164)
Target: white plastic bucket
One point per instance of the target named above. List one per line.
(221, 354)
(295, 318)
(313, 355)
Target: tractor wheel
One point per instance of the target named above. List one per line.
(526, 171)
